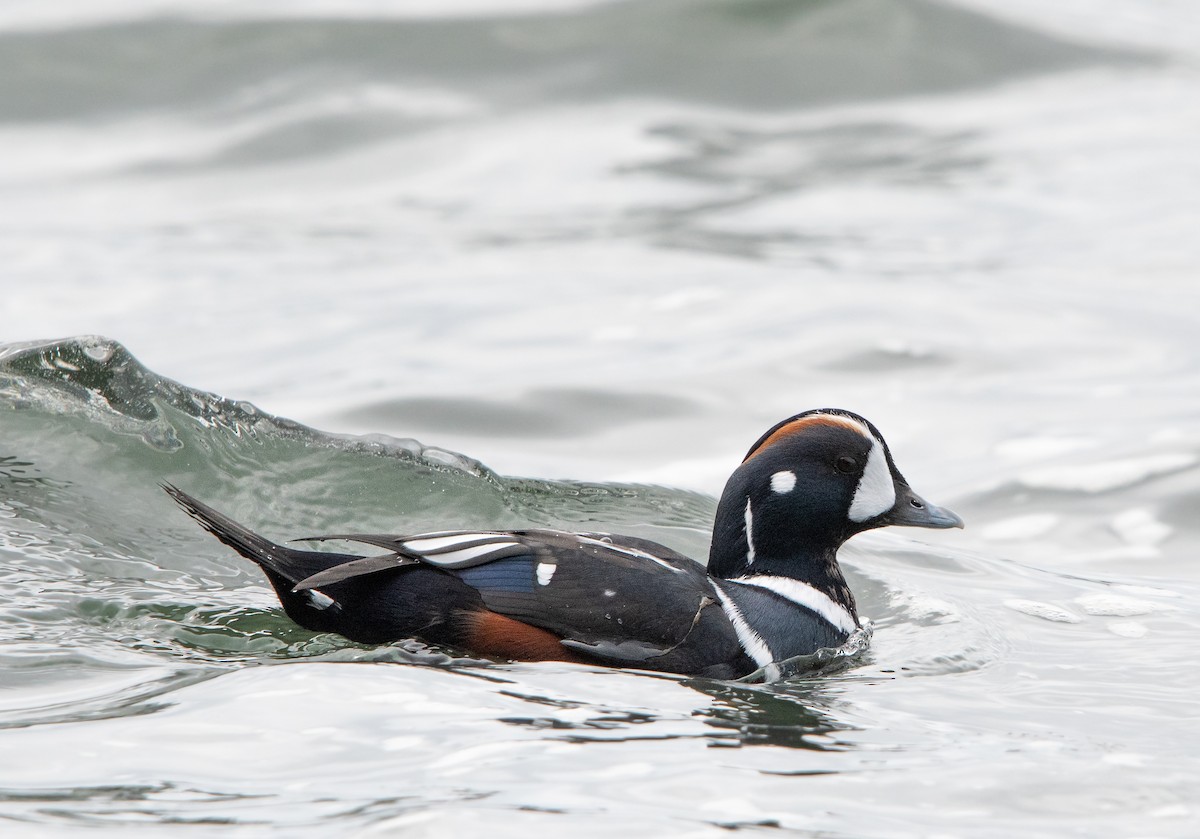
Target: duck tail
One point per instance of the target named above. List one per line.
(284, 567)
(269, 556)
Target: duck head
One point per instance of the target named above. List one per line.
(809, 484)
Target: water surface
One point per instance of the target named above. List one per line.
(604, 246)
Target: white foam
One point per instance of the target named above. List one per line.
(1045, 611)
(925, 607)
(1114, 605)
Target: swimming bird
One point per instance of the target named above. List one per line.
(772, 590)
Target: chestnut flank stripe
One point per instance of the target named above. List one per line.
(498, 636)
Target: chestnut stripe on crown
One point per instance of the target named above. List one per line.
(805, 422)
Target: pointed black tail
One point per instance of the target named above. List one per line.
(283, 566)
(265, 553)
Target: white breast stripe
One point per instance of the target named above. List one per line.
(453, 559)
(749, 534)
(754, 646)
(545, 573)
(806, 596)
(876, 491)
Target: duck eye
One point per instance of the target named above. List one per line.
(846, 465)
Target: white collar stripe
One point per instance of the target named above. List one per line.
(804, 595)
(750, 640)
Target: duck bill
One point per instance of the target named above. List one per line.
(911, 510)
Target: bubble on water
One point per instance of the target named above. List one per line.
(98, 349)
(1114, 605)
(923, 607)
(1046, 611)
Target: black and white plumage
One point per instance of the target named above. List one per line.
(773, 588)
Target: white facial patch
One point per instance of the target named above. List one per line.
(876, 491)
(545, 573)
(783, 482)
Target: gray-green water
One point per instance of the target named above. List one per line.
(604, 245)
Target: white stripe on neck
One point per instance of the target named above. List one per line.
(749, 534)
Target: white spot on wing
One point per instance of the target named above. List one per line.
(783, 482)
(876, 491)
(438, 542)
(454, 559)
(749, 534)
(545, 572)
(804, 595)
(750, 640)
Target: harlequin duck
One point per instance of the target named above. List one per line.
(773, 588)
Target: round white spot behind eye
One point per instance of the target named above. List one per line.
(876, 491)
(545, 572)
(783, 482)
